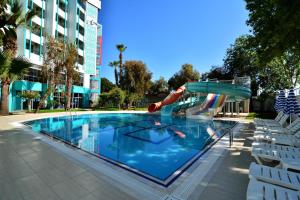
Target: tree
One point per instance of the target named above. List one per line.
(281, 72)
(136, 77)
(159, 86)
(106, 85)
(217, 72)
(115, 64)
(275, 25)
(11, 17)
(71, 55)
(29, 96)
(121, 48)
(52, 66)
(186, 74)
(117, 96)
(241, 58)
(10, 70)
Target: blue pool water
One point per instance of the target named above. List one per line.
(150, 145)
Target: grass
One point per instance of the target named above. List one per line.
(117, 109)
(57, 110)
(81, 109)
(253, 115)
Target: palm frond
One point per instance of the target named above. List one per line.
(19, 65)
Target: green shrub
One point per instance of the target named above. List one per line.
(132, 99)
(103, 99)
(29, 96)
(114, 97)
(117, 96)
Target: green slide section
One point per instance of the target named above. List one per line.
(232, 91)
(182, 105)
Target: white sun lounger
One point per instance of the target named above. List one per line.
(267, 126)
(275, 147)
(258, 190)
(275, 176)
(281, 139)
(290, 140)
(264, 121)
(261, 153)
(294, 126)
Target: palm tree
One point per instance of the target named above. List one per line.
(52, 66)
(70, 61)
(10, 69)
(115, 64)
(121, 48)
(11, 17)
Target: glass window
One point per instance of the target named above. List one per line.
(36, 28)
(61, 21)
(81, 16)
(32, 75)
(80, 60)
(39, 10)
(81, 30)
(35, 47)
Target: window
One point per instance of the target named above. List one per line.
(36, 28)
(32, 75)
(80, 44)
(82, 16)
(35, 47)
(62, 5)
(61, 21)
(81, 30)
(80, 60)
(59, 35)
(39, 10)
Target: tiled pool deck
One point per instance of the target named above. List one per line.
(32, 169)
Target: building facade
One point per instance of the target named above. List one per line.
(70, 20)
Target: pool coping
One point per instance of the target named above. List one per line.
(181, 188)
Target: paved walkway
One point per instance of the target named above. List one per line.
(31, 169)
(230, 180)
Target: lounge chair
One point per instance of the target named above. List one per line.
(275, 176)
(271, 152)
(264, 121)
(295, 125)
(275, 147)
(258, 190)
(290, 138)
(267, 126)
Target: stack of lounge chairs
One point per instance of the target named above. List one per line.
(275, 143)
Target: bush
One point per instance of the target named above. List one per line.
(103, 99)
(117, 96)
(114, 97)
(132, 99)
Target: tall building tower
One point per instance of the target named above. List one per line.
(73, 21)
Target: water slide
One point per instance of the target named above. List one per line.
(217, 94)
(210, 107)
(171, 98)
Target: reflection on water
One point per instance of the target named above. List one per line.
(152, 144)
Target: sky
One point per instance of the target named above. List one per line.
(166, 34)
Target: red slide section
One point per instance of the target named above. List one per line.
(171, 98)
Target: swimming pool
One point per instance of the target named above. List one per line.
(155, 147)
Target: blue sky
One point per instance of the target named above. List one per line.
(168, 33)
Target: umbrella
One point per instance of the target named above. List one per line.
(292, 106)
(280, 102)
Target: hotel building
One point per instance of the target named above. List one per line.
(73, 21)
